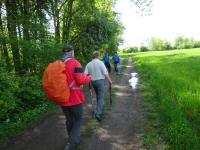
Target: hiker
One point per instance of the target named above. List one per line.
(107, 62)
(98, 71)
(73, 110)
(116, 61)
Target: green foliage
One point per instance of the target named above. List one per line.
(8, 88)
(131, 50)
(185, 43)
(144, 48)
(22, 102)
(159, 44)
(22, 97)
(94, 27)
(173, 80)
(31, 92)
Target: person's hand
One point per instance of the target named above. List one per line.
(110, 82)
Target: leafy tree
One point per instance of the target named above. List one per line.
(132, 50)
(196, 44)
(144, 48)
(11, 12)
(182, 42)
(159, 44)
(3, 39)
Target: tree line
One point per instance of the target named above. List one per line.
(27, 25)
(157, 44)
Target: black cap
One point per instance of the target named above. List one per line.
(68, 48)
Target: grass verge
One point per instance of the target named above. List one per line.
(170, 84)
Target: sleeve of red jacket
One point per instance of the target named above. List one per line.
(80, 77)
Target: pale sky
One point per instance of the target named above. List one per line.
(169, 19)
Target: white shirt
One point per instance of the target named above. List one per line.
(96, 69)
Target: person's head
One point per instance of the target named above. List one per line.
(96, 54)
(69, 50)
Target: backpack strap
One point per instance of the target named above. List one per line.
(67, 60)
(73, 88)
(72, 83)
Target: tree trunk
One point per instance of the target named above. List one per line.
(56, 19)
(26, 20)
(26, 37)
(68, 14)
(11, 10)
(19, 31)
(57, 27)
(3, 42)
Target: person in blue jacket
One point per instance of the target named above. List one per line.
(116, 61)
(107, 62)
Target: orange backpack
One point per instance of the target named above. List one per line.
(55, 83)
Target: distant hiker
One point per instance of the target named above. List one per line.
(116, 61)
(98, 71)
(73, 110)
(107, 62)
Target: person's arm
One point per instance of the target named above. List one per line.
(119, 59)
(108, 78)
(105, 72)
(79, 75)
(86, 70)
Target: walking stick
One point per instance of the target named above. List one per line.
(91, 96)
(110, 91)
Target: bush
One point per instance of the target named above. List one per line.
(8, 101)
(131, 50)
(144, 48)
(22, 102)
(31, 93)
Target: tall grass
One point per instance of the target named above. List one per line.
(173, 79)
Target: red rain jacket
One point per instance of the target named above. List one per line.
(74, 72)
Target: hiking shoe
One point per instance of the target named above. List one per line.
(98, 118)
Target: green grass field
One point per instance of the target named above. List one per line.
(171, 82)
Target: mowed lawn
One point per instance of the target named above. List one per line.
(172, 81)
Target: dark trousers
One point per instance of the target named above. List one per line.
(108, 66)
(74, 116)
(116, 67)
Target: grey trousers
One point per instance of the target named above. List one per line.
(74, 116)
(99, 88)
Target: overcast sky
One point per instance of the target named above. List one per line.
(169, 18)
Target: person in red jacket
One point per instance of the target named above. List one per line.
(73, 109)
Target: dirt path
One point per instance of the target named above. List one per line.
(121, 129)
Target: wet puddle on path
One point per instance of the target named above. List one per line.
(134, 80)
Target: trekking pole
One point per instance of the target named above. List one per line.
(110, 91)
(91, 96)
